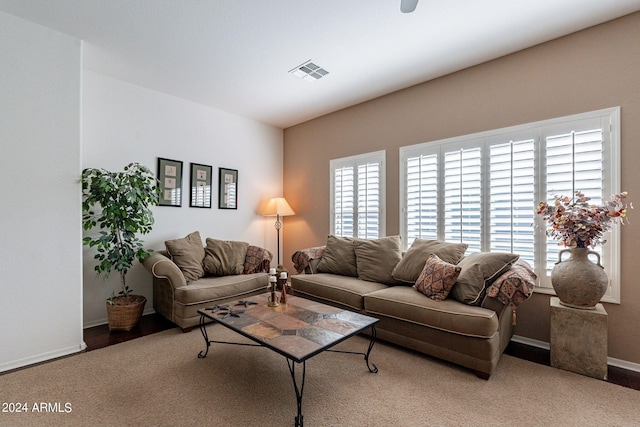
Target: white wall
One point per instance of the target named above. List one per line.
(123, 123)
(40, 230)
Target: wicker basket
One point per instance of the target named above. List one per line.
(125, 312)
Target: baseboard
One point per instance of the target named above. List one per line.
(531, 342)
(42, 357)
(630, 366)
(105, 321)
(623, 364)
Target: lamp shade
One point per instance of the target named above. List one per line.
(277, 206)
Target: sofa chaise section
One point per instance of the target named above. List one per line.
(470, 336)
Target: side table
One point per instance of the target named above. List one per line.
(579, 339)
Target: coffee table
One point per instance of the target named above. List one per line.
(298, 330)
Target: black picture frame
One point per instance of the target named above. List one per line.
(200, 186)
(227, 188)
(170, 177)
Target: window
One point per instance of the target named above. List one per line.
(482, 189)
(357, 196)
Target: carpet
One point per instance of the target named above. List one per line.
(157, 380)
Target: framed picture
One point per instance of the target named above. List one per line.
(170, 177)
(200, 186)
(228, 189)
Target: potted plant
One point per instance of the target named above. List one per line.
(119, 203)
(579, 225)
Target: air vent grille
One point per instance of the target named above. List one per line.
(309, 71)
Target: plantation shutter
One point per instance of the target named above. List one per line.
(574, 161)
(344, 208)
(357, 199)
(422, 197)
(511, 197)
(463, 197)
(369, 201)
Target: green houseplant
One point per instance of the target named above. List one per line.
(119, 203)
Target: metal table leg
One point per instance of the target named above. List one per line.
(371, 366)
(299, 389)
(371, 343)
(203, 330)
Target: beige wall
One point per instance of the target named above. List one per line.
(593, 69)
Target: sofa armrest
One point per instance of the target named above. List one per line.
(313, 266)
(257, 260)
(307, 260)
(162, 267)
(493, 304)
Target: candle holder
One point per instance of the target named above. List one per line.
(272, 299)
(283, 285)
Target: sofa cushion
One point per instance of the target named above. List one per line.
(479, 270)
(188, 254)
(404, 303)
(224, 257)
(209, 289)
(437, 278)
(412, 262)
(376, 259)
(339, 257)
(333, 288)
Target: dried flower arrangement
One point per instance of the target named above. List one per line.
(578, 224)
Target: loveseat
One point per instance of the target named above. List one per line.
(188, 276)
(432, 299)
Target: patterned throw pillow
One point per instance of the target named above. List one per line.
(437, 278)
(412, 262)
(515, 286)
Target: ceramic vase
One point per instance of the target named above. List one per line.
(578, 281)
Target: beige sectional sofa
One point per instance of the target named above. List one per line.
(188, 276)
(461, 324)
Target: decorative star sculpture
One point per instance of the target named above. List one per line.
(246, 303)
(217, 308)
(231, 313)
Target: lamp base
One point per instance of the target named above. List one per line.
(280, 269)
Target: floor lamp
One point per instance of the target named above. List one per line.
(278, 207)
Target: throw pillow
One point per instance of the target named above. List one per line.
(479, 270)
(224, 257)
(188, 254)
(515, 285)
(412, 262)
(437, 278)
(376, 259)
(339, 257)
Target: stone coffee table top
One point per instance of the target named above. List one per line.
(298, 330)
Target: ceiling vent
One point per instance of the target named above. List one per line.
(309, 71)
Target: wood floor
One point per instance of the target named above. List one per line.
(99, 337)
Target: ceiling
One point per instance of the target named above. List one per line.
(235, 55)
